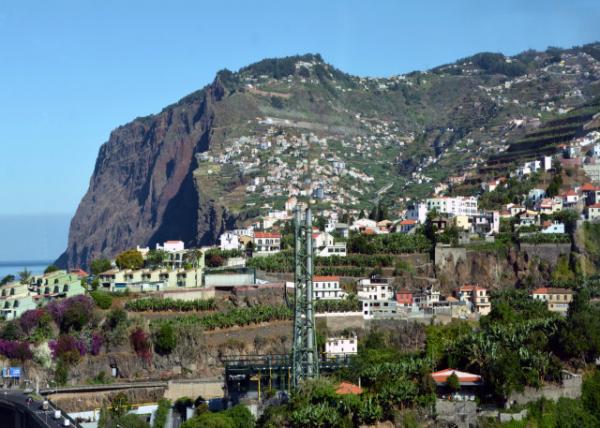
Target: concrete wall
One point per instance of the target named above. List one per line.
(449, 255)
(462, 414)
(507, 417)
(342, 320)
(547, 252)
(193, 388)
(189, 294)
(224, 279)
(570, 388)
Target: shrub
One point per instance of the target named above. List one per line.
(15, 350)
(159, 304)
(241, 416)
(72, 313)
(102, 299)
(130, 259)
(181, 404)
(97, 341)
(67, 349)
(209, 420)
(61, 374)
(141, 343)
(99, 265)
(12, 331)
(164, 339)
(30, 320)
(115, 327)
(160, 417)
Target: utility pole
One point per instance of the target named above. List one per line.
(305, 361)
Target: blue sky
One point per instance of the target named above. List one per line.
(71, 71)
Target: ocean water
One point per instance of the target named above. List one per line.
(13, 268)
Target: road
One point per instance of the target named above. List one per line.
(17, 400)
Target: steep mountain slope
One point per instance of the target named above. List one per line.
(299, 126)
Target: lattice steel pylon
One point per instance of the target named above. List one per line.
(305, 361)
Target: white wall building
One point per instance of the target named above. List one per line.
(171, 246)
(229, 241)
(267, 242)
(417, 212)
(459, 205)
(327, 288)
(341, 346)
(377, 297)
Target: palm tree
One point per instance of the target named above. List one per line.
(25, 276)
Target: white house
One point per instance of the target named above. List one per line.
(406, 225)
(427, 297)
(593, 212)
(554, 227)
(477, 296)
(377, 297)
(570, 198)
(267, 242)
(325, 245)
(363, 224)
(341, 346)
(460, 205)
(417, 212)
(327, 288)
(291, 203)
(536, 194)
(171, 246)
(229, 241)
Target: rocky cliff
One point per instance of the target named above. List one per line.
(257, 127)
(143, 191)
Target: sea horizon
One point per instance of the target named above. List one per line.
(14, 267)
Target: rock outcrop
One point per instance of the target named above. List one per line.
(143, 190)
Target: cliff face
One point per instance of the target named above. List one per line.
(143, 190)
(260, 124)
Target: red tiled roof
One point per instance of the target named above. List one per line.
(345, 388)
(173, 242)
(596, 205)
(79, 272)
(588, 187)
(551, 290)
(443, 375)
(469, 287)
(408, 222)
(403, 291)
(267, 235)
(323, 278)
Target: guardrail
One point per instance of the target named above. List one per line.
(104, 387)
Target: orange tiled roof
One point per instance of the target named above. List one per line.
(588, 187)
(551, 290)
(274, 235)
(323, 278)
(346, 388)
(443, 375)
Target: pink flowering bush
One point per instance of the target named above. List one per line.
(96, 345)
(15, 350)
(31, 319)
(73, 313)
(140, 341)
(67, 349)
